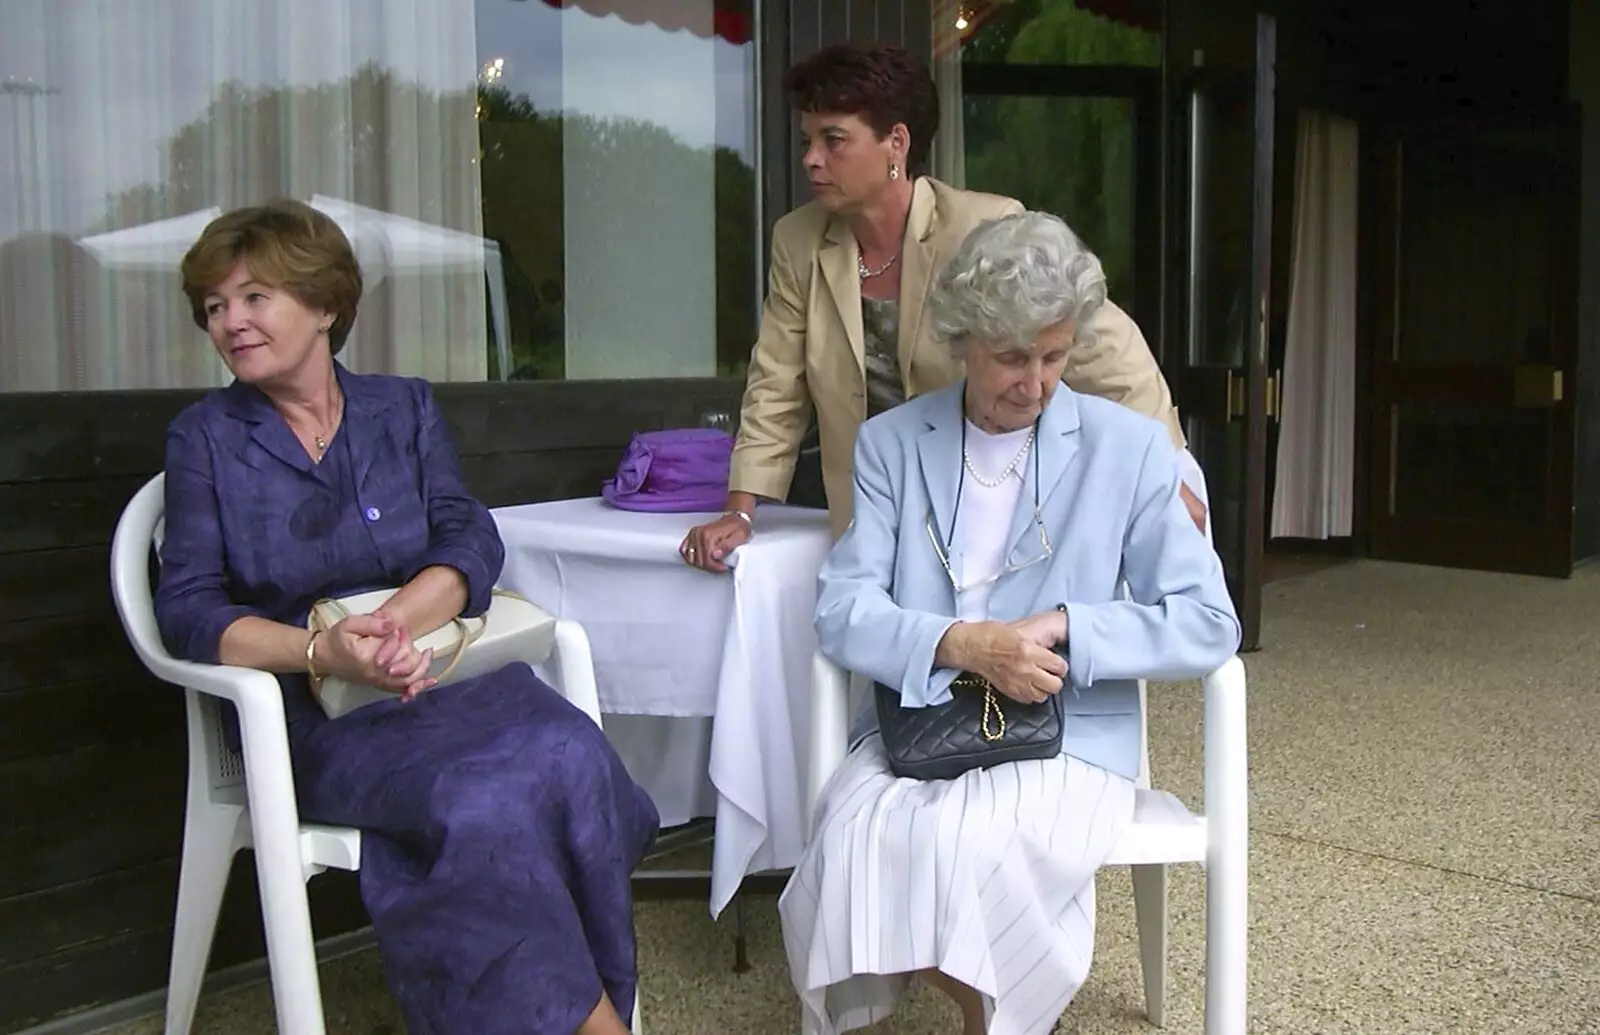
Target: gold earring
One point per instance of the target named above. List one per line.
(894, 172)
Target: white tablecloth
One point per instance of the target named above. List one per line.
(687, 647)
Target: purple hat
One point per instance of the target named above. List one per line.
(681, 470)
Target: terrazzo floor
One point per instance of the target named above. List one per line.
(1425, 846)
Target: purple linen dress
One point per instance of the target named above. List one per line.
(500, 830)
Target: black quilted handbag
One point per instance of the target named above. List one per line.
(979, 727)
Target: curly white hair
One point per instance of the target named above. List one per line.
(1011, 278)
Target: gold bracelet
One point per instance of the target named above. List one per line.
(311, 668)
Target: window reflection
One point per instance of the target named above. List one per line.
(535, 188)
(618, 178)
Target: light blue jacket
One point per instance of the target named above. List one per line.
(1110, 505)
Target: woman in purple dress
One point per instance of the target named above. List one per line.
(499, 828)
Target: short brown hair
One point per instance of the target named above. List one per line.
(882, 83)
(285, 243)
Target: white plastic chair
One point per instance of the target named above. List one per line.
(239, 802)
(1163, 832)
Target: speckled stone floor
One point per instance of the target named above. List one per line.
(1425, 837)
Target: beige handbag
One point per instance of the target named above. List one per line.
(513, 629)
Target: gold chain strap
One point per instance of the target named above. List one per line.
(992, 715)
(991, 704)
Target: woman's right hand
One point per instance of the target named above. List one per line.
(376, 651)
(707, 546)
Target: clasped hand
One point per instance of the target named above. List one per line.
(376, 650)
(1019, 658)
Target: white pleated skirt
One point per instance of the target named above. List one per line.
(988, 877)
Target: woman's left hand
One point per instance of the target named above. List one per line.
(1048, 629)
(399, 656)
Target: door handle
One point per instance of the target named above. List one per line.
(1275, 397)
(1537, 386)
(1236, 395)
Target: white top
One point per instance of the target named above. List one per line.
(985, 515)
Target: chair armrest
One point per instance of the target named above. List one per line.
(574, 665)
(231, 682)
(263, 731)
(1227, 782)
(1227, 766)
(830, 729)
(263, 727)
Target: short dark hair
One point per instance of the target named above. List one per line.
(285, 243)
(881, 83)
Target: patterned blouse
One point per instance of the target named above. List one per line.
(880, 320)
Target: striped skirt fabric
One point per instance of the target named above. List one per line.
(988, 877)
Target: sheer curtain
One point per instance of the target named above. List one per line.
(131, 125)
(1316, 450)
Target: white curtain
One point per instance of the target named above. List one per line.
(139, 121)
(1316, 449)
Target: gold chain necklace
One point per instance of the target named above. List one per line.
(861, 266)
(321, 439)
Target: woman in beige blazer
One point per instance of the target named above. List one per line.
(843, 332)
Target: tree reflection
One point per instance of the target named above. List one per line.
(470, 151)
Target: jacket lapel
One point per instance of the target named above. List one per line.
(838, 258)
(363, 422)
(916, 272)
(1043, 585)
(269, 432)
(939, 455)
(1054, 448)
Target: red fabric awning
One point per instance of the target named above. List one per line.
(673, 15)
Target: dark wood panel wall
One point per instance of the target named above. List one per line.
(92, 755)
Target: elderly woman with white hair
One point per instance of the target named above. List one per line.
(980, 584)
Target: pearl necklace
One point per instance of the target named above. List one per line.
(966, 460)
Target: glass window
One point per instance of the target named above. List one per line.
(535, 188)
(1056, 103)
(619, 180)
(1058, 32)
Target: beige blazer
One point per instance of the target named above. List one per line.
(810, 355)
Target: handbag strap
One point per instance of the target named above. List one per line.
(314, 620)
(468, 636)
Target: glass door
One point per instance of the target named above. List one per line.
(1082, 143)
(1224, 142)
(1059, 107)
